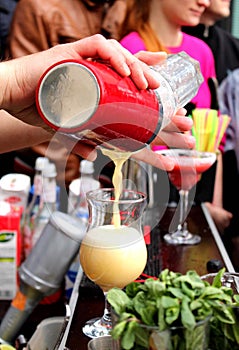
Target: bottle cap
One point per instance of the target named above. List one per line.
(41, 163)
(49, 170)
(86, 167)
(214, 265)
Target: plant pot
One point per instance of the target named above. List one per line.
(180, 338)
(103, 343)
(174, 338)
(225, 335)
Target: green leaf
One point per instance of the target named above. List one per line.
(155, 288)
(118, 300)
(188, 290)
(118, 329)
(217, 281)
(146, 308)
(161, 318)
(192, 279)
(142, 336)
(172, 314)
(224, 314)
(169, 302)
(187, 317)
(128, 338)
(176, 292)
(133, 288)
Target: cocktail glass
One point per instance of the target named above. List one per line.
(190, 164)
(113, 252)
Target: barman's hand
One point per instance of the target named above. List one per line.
(19, 79)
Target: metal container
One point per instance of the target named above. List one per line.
(41, 274)
(103, 343)
(90, 101)
(52, 254)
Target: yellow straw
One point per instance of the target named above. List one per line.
(208, 128)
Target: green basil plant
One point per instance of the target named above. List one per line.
(180, 301)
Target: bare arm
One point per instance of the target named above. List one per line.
(15, 134)
(19, 79)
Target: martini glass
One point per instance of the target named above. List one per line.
(113, 252)
(189, 165)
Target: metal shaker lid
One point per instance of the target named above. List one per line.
(68, 95)
(72, 227)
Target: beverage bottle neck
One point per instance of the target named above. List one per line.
(47, 203)
(32, 207)
(49, 191)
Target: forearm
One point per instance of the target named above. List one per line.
(16, 134)
(217, 194)
(17, 93)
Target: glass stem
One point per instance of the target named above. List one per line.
(106, 318)
(183, 210)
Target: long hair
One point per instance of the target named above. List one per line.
(137, 20)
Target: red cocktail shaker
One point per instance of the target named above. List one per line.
(90, 101)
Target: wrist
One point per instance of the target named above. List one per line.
(4, 82)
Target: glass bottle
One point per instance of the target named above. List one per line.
(78, 208)
(41, 163)
(33, 205)
(47, 203)
(77, 205)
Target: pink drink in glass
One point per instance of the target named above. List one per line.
(187, 171)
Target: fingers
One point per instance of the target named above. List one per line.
(157, 160)
(178, 140)
(181, 111)
(85, 151)
(151, 58)
(179, 123)
(177, 132)
(120, 59)
(82, 148)
(97, 46)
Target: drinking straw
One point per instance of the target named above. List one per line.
(208, 128)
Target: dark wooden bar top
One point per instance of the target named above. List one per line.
(181, 258)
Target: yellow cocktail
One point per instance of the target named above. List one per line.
(113, 252)
(113, 257)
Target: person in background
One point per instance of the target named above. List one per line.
(21, 124)
(7, 8)
(224, 46)
(228, 97)
(38, 25)
(157, 25)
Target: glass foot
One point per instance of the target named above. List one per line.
(182, 237)
(97, 327)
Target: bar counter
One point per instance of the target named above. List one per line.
(88, 300)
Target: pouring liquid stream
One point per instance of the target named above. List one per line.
(119, 158)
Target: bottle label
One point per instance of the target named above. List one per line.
(49, 191)
(37, 185)
(8, 264)
(27, 239)
(19, 302)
